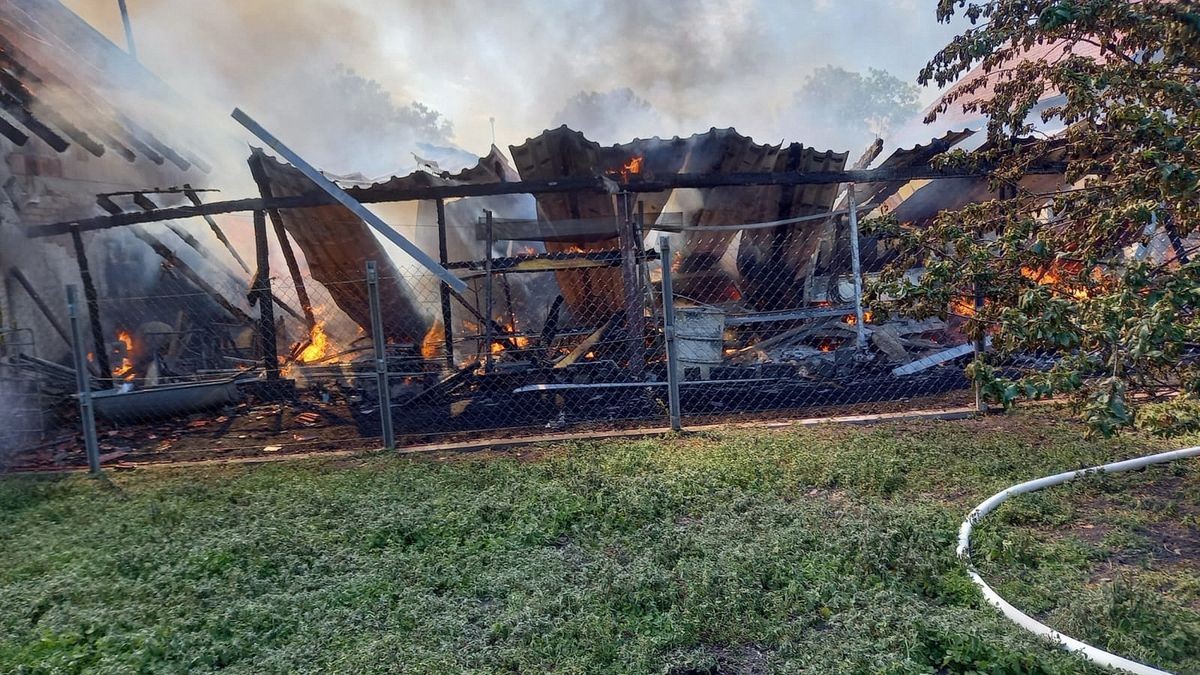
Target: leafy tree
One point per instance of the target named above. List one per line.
(848, 109)
(1065, 274)
(613, 116)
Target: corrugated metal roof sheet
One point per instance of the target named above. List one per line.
(337, 244)
(564, 152)
(918, 155)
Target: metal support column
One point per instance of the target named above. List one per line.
(980, 345)
(130, 45)
(83, 383)
(668, 301)
(381, 361)
(444, 258)
(860, 328)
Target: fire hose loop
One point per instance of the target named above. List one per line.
(1093, 654)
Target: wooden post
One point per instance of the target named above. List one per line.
(23, 282)
(289, 256)
(444, 258)
(860, 328)
(262, 293)
(488, 323)
(644, 264)
(99, 345)
(635, 317)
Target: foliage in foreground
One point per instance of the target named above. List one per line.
(1065, 274)
(818, 550)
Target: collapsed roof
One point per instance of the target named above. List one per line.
(65, 84)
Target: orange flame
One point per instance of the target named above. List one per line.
(852, 319)
(318, 344)
(501, 339)
(962, 307)
(631, 168)
(125, 371)
(1050, 277)
(431, 345)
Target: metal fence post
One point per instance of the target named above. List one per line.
(668, 299)
(980, 346)
(860, 334)
(381, 363)
(83, 382)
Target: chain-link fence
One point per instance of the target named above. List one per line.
(638, 320)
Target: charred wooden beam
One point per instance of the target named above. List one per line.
(27, 100)
(593, 184)
(869, 154)
(12, 133)
(19, 112)
(262, 289)
(444, 258)
(289, 255)
(489, 325)
(635, 315)
(100, 345)
(197, 162)
(207, 254)
(36, 297)
(191, 275)
(105, 202)
(143, 202)
(194, 197)
(111, 120)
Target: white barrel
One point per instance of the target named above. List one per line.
(700, 337)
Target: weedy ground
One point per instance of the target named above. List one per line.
(793, 550)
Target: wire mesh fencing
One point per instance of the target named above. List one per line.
(659, 320)
(771, 318)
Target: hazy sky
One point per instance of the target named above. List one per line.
(701, 63)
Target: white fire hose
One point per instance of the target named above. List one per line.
(1022, 619)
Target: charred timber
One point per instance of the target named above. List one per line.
(36, 297)
(381, 195)
(285, 245)
(100, 347)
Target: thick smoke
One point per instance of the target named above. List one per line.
(610, 117)
(699, 63)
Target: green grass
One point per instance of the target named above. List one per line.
(791, 550)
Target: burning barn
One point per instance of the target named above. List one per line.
(525, 293)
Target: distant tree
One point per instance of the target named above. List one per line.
(352, 124)
(841, 108)
(613, 116)
(369, 104)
